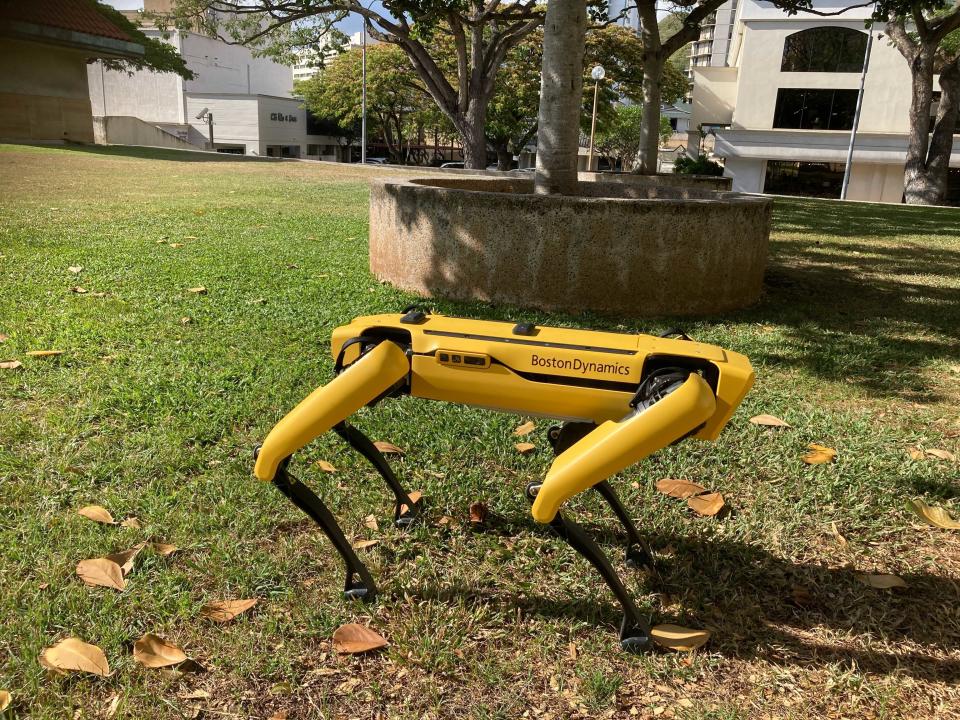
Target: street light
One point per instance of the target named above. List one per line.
(363, 115)
(856, 117)
(598, 73)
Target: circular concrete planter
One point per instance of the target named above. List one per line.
(617, 248)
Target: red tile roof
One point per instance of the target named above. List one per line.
(77, 15)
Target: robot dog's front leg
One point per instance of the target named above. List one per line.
(378, 371)
(610, 448)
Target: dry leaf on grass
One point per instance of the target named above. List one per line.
(163, 549)
(414, 498)
(388, 448)
(676, 637)
(131, 522)
(75, 655)
(769, 421)
(5, 699)
(10, 364)
(942, 454)
(201, 290)
(75, 269)
(353, 638)
(125, 558)
(364, 544)
(153, 651)
(111, 709)
(371, 522)
(4, 337)
(525, 429)
(525, 448)
(97, 514)
(176, 245)
(79, 290)
(102, 572)
(916, 453)
(478, 512)
(325, 466)
(841, 540)
(186, 320)
(820, 454)
(706, 505)
(226, 610)
(882, 581)
(801, 596)
(679, 488)
(44, 353)
(933, 515)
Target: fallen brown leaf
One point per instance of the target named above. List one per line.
(801, 596)
(388, 448)
(525, 448)
(354, 638)
(153, 651)
(196, 695)
(478, 512)
(131, 522)
(44, 353)
(769, 421)
(841, 540)
(10, 364)
(414, 498)
(201, 290)
(682, 489)
(186, 320)
(707, 505)
(915, 453)
(820, 455)
(942, 454)
(325, 466)
(79, 290)
(75, 655)
(676, 637)
(97, 514)
(4, 337)
(5, 699)
(882, 581)
(226, 610)
(371, 522)
(525, 429)
(933, 515)
(125, 558)
(163, 549)
(102, 572)
(111, 709)
(176, 245)
(364, 544)
(75, 269)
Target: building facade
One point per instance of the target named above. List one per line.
(783, 109)
(250, 100)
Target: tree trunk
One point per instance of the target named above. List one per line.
(916, 182)
(941, 142)
(470, 125)
(650, 120)
(504, 156)
(561, 95)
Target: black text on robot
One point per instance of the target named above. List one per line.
(578, 365)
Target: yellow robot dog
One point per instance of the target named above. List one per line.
(621, 397)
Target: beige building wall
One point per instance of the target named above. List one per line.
(43, 93)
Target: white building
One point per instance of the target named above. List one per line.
(250, 99)
(712, 48)
(784, 107)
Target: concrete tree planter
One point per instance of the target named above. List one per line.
(623, 248)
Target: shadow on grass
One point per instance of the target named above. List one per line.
(152, 153)
(761, 606)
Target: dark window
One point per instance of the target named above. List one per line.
(802, 178)
(824, 49)
(815, 109)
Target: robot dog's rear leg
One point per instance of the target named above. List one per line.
(359, 583)
(562, 437)
(634, 630)
(363, 445)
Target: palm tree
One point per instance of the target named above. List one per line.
(561, 90)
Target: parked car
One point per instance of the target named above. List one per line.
(453, 165)
(377, 161)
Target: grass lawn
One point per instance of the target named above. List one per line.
(856, 343)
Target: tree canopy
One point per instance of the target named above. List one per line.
(158, 55)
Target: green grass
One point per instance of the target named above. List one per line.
(856, 343)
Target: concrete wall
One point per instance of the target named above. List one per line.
(223, 68)
(43, 93)
(120, 130)
(688, 251)
(714, 95)
(234, 120)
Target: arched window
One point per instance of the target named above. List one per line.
(824, 49)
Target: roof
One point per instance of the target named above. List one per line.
(79, 16)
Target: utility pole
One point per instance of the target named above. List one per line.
(363, 103)
(210, 128)
(856, 118)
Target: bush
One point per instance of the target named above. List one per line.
(686, 165)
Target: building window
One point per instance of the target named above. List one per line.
(313, 150)
(808, 179)
(805, 109)
(824, 49)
